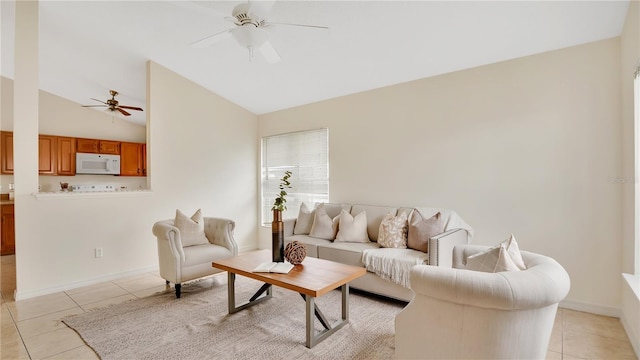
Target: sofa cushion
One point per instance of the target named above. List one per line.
(304, 220)
(334, 210)
(494, 259)
(352, 228)
(202, 254)
(310, 243)
(324, 227)
(191, 229)
(345, 253)
(393, 231)
(375, 214)
(421, 229)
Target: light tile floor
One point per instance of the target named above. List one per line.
(31, 329)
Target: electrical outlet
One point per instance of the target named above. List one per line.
(98, 252)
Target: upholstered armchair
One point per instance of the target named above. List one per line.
(464, 314)
(180, 263)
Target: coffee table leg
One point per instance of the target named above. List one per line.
(345, 302)
(255, 299)
(312, 309)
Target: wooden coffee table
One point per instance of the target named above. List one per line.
(311, 279)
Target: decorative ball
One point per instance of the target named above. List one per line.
(295, 252)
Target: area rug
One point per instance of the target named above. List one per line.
(198, 326)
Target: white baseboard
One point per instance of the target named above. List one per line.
(21, 295)
(590, 308)
(631, 309)
(634, 339)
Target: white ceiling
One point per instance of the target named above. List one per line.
(89, 47)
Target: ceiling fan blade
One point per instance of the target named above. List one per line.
(260, 9)
(130, 107)
(94, 105)
(302, 25)
(269, 52)
(212, 39)
(98, 101)
(123, 112)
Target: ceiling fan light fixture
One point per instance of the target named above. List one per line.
(249, 36)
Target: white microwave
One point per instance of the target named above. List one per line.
(97, 164)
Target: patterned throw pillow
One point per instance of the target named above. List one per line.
(393, 231)
(323, 226)
(494, 259)
(191, 229)
(352, 229)
(304, 221)
(421, 230)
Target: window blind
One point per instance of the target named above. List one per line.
(306, 155)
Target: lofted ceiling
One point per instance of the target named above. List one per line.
(89, 47)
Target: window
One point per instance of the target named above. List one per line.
(306, 155)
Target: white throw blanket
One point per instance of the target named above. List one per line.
(393, 264)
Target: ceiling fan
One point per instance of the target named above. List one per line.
(113, 104)
(251, 21)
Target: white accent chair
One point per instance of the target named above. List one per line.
(463, 314)
(179, 264)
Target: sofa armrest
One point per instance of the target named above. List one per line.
(441, 246)
(168, 238)
(289, 225)
(219, 231)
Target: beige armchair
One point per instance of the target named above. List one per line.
(179, 264)
(463, 314)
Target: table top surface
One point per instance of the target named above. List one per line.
(314, 277)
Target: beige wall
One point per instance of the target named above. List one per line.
(630, 60)
(204, 152)
(526, 146)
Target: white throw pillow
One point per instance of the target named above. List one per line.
(352, 229)
(514, 252)
(304, 221)
(393, 231)
(323, 226)
(191, 229)
(495, 259)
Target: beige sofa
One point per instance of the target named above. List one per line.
(457, 232)
(503, 315)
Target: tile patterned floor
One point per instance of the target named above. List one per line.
(31, 329)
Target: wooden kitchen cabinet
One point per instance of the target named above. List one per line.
(87, 145)
(47, 155)
(7, 233)
(133, 159)
(47, 150)
(144, 159)
(66, 156)
(109, 147)
(6, 156)
(96, 146)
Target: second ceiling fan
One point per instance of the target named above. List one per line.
(251, 21)
(113, 104)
